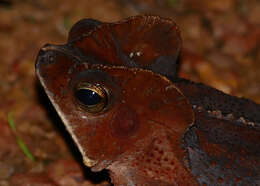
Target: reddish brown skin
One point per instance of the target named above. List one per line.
(157, 129)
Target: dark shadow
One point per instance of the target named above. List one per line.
(94, 177)
(6, 3)
(178, 64)
(175, 76)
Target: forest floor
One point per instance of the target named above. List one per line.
(221, 48)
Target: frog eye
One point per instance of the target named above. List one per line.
(91, 98)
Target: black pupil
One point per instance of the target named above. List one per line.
(88, 97)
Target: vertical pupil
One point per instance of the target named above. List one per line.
(88, 97)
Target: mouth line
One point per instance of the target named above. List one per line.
(89, 162)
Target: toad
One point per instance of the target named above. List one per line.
(116, 88)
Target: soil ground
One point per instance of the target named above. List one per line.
(220, 48)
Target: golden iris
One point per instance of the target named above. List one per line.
(92, 98)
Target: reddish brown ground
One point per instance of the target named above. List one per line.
(221, 48)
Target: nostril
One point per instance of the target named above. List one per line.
(47, 54)
(44, 57)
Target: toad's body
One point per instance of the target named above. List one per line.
(116, 90)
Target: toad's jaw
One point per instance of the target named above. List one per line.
(87, 161)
